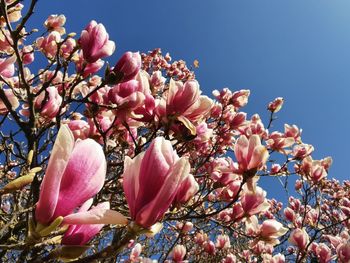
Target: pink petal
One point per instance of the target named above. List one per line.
(153, 210)
(131, 180)
(83, 177)
(49, 192)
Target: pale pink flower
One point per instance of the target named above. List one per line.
(178, 253)
(254, 202)
(7, 67)
(63, 188)
(95, 43)
(222, 241)
(48, 44)
(250, 154)
(56, 23)
(49, 104)
(275, 105)
(299, 238)
(151, 181)
(135, 253)
(271, 230)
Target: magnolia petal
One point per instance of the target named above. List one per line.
(131, 180)
(259, 157)
(151, 212)
(188, 124)
(83, 177)
(59, 158)
(96, 216)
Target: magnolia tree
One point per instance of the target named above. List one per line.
(132, 163)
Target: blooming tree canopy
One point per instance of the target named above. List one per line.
(133, 163)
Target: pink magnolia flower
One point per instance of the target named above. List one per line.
(12, 99)
(343, 252)
(299, 238)
(230, 258)
(292, 131)
(254, 202)
(95, 43)
(48, 44)
(129, 65)
(240, 98)
(88, 68)
(222, 241)
(63, 188)
(209, 247)
(178, 254)
(181, 96)
(271, 230)
(49, 106)
(323, 252)
(135, 253)
(27, 55)
(151, 181)
(250, 154)
(7, 67)
(56, 23)
(276, 105)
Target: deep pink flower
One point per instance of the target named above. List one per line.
(129, 65)
(151, 181)
(95, 43)
(73, 176)
(49, 105)
(178, 254)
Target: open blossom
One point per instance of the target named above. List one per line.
(48, 44)
(49, 106)
(254, 202)
(95, 43)
(56, 23)
(151, 181)
(250, 154)
(181, 96)
(271, 230)
(128, 65)
(63, 188)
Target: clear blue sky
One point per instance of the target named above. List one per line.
(297, 49)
